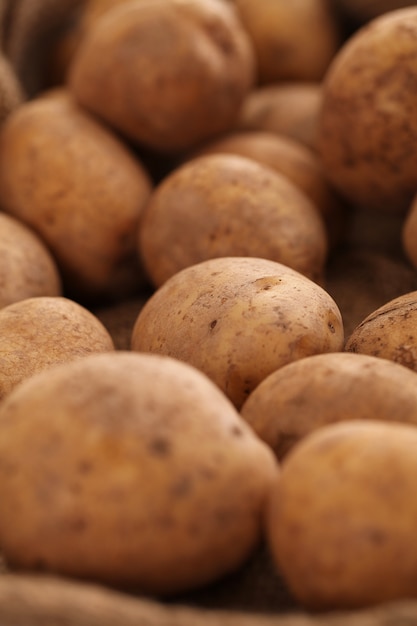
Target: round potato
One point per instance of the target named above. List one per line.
(322, 389)
(221, 205)
(78, 186)
(166, 73)
(389, 332)
(37, 333)
(238, 319)
(367, 129)
(27, 268)
(131, 470)
(342, 516)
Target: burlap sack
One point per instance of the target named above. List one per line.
(360, 277)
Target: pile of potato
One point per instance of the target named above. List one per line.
(211, 161)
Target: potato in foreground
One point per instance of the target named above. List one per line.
(342, 516)
(238, 319)
(132, 470)
(327, 388)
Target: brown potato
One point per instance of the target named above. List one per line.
(292, 40)
(367, 129)
(37, 333)
(166, 73)
(132, 470)
(389, 332)
(238, 319)
(27, 268)
(226, 205)
(79, 187)
(321, 389)
(342, 516)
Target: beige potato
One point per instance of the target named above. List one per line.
(342, 516)
(38, 333)
(226, 205)
(284, 108)
(27, 268)
(295, 161)
(238, 319)
(389, 332)
(165, 73)
(80, 189)
(326, 388)
(292, 40)
(367, 126)
(131, 470)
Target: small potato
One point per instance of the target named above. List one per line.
(325, 388)
(341, 520)
(226, 205)
(389, 332)
(80, 189)
(238, 319)
(131, 470)
(40, 332)
(27, 268)
(368, 126)
(168, 73)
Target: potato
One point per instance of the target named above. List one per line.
(341, 519)
(37, 333)
(27, 268)
(226, 205)
(292, 40)
(295, 161)
(166, 73)
(238, 319)
(287, 108)
(132, 470)
(80, 189)
(367, 125)
(389, 332)
(321, 389)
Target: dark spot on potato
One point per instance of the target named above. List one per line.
(160, 446)
(181, 487)
(77, 524)
(208, 473)
(85, 467)
(331, 327)
(236, 431)
(213, 324)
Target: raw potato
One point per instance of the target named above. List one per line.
(295, 161)
(292, 40)
(237, 320)
(27, 268)
(132, 470)
(38, 333)
(226, 205)
(318, 390)
(166, 73)
(389, 332)
(80, 188)
(291, 109)
(342, 516)
(368, 130)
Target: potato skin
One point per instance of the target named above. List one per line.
(41, 332)
(131, 470)
(322, 389)
(341, 516)
(219, 205)
(389, 332)
(238, 319)
(367, 129)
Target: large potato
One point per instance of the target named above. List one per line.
(37, 333)
(368, 129)
(27, 268)
(79, 187)
(132, 470)
(238, 319)
(322, 389)
(341, 520)
(226, 205)
(167, 74)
